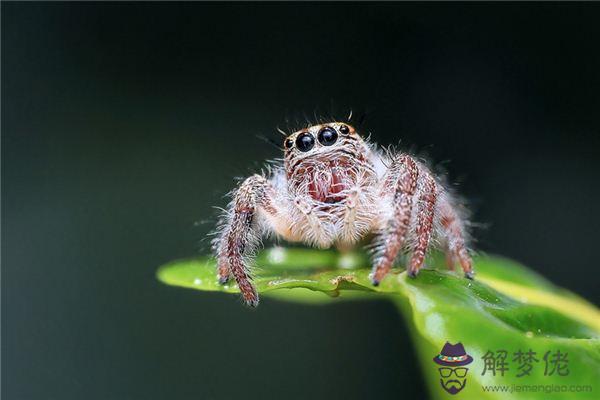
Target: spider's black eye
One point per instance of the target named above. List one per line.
(305, 141)
(327, 136)
(344, 129)
(288, 143)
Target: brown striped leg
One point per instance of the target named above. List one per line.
(425, 214)
(223, 271)
(455, 238)
(234, 249)
(450, 261)
(239, 237)
(402, 181)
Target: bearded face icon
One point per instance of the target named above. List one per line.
(453, 379)
(453, 373)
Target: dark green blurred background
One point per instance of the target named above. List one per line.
(122, 125)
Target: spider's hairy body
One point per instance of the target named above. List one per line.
(334, 189)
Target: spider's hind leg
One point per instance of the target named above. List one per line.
(454, 234)
(450, 259)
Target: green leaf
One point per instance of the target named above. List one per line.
(507, 307)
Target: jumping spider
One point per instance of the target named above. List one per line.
(334, 189)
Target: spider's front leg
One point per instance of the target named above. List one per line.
(401, 181)
(240, 234)
(424, 227)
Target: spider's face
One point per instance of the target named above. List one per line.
(322, 159)
(320, 141)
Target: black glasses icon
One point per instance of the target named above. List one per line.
(459, 372)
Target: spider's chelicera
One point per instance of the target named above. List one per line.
(334, 189)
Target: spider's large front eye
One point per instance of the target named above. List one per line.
(305, 141)
(327, 136)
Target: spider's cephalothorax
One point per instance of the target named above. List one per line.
(334, 189)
